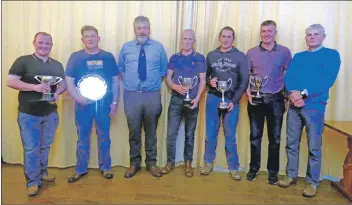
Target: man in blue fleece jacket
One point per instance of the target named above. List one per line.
(308, 80)
(224, 63)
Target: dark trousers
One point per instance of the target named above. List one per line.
(175, 113)
(142, 108)
(272, 109)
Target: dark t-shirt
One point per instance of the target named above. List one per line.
(27, 67)
(103, 64)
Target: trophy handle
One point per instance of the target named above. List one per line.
(180, 77)
(58, 79)
(38, 78)
(230, 79)
(195, 79)
(266, 79)
(251, 79)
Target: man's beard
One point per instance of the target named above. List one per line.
(142, 39)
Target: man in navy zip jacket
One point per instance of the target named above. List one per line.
(308, 80)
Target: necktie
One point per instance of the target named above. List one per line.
(142, 65)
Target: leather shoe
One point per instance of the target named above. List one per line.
(107, 174)
(168, 168)
(131, 171)
(189, 170)
(75, 177)
(154, 170)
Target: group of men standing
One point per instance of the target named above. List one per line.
(300, 85)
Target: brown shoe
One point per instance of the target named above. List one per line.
(48, 178)
(32, 190)
(75, 177)
(107, 174)
(154, 170)
(168, 168)
(131, 171)
(189, 170)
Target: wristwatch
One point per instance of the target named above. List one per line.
(304, 93)
(115, 103)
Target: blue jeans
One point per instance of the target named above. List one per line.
(297, 118)
(230, 120)
(98, 111)
(37, 135)
(175, 113)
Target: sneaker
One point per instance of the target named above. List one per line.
(287, 182)
(32, 190)
(48, 178)
(207, 169)
(251, 175)
(235, 175)
(272, 179)
(310, 190)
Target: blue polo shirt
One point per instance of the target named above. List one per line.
(187, 66)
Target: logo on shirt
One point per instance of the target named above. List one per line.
(223, 64)
(95, 64)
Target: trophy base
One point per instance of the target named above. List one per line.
(187, 103)
(223, 106)
(45, 98)
(257, 100)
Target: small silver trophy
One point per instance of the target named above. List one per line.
(223, 86)
(258, 83)
(47, 80)
(188, 83)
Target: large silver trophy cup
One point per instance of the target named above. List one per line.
(223, 86)
(188, 83)
(50, 81)
(92, 87)
(257, 83)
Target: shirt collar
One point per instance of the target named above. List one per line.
(275, 48)
(192, 54)
(316, 49)
(147, 42)
(37, 58)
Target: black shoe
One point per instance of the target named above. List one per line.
(251, 175)
(273, 180)
(75, 177)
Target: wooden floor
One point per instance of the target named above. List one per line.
(217, 188)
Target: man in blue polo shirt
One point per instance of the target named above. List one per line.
(185, 64)
(93, 60)
(308, 80)
(143, 65)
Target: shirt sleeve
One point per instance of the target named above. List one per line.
(290, 76)
(209, 69)
(70, 67)
(121, 61)
(288, 59)
(163, 62)
(172, 63)
(113, 66)
(243, 80)
(18, 67)
(202, 64)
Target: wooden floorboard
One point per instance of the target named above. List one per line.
(175, 188)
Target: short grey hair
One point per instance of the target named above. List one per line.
(140, 19)
(318, 27)
(189, 30)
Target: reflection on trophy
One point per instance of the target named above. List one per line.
(92, 87)
(223, 86)
(188, 83)
(47, 80)
(258, 83)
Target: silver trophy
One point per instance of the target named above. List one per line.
(50, 81)
(92, 87)
(188, 83)
(257, 83)
(223, 86)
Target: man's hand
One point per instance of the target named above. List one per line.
(82, 101)
(250, 97)
(55, 98)
(213, 82)
(113, 108)
(180, 89)
(299, 103)
(195, 102)
(295, 95)
(41, 88)
(230, 106)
